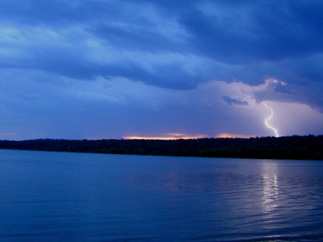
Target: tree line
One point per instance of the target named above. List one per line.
(291, 147)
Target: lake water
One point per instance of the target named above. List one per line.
(53, 196)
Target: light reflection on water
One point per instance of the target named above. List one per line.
(270, 186)
(89, 197)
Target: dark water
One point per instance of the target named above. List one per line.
(49, 196)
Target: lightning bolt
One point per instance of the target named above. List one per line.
(269, 118)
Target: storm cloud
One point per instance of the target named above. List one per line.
(231, 101)
(65, 48)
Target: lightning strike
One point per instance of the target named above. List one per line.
(269, 118)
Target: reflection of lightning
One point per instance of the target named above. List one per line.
(269, 118)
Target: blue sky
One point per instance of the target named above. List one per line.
(112, 69)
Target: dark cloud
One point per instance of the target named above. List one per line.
(246, 36)
(231, 101)
(270, 31)
(280, 91)
(137, 39)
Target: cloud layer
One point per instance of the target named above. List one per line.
(134, 56)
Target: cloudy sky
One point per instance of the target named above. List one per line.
(160, 68)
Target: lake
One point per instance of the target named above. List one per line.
(57, 196)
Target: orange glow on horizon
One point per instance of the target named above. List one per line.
(176, 134)
(175, 137)
(225, 135)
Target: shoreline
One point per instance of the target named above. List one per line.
(289, 147)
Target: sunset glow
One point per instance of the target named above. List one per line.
(225, 135)
(164, 138)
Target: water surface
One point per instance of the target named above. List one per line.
(53, 196)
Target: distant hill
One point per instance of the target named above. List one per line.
(291, 147)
